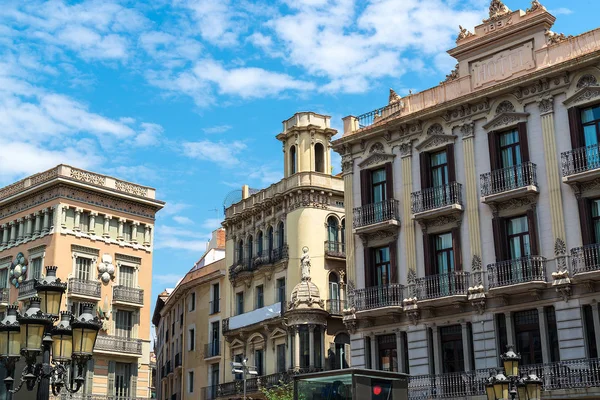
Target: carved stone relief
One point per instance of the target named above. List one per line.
(505, 107)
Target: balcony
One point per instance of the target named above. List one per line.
(444, 288)
(4, 296)
(128, 295)
(118, 345)
(212, 349)
(26, 290)
(377, 216)
(585, 262)
(519, 275)
(177, 360)
(580, 165)
(251, 264)
(437, 201)
(253, 385)
(335, 249)
(84, 288)
(336, 307)
(509, 183)
(379, 297)
(252, 317)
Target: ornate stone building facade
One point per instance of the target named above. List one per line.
(99, 231)
(475, 208)
(285, 254)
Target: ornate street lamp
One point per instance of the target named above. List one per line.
(500, 387)
(67, 346)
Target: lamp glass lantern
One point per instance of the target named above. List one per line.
(32, 324)
(50, 290)
(85, 331)
(500, 385)
(10, 334)
(62, 338)
(511, 362)
(530, 388)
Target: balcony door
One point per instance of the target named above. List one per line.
(332, 234)
(439, 179)
(123, 323)
(527, 333)
(126, 276)
(596, 219)
(334, 293)
(382, 270)
(214, 337)
(590, 120)
(83, 268)
(444, 263)
(123, 380)
(388, 353)
(519, 246)
(453, 358)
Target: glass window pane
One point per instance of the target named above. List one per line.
(590, 114)
(378, 176)
(590, 134)
(509, 138)
(517, 225)
(439, 159)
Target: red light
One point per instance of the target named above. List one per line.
(377, 390)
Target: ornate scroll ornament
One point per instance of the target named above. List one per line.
(346, 164)
(463, 33)
(405, 149)
(467, 130)
(394, 97)
(452, 76)
(131, 188)
(435, 129)
(546, 105)
(88, 177)
(553, 37)
(376, 148)
(505, 107)
(535, 5)
(497, 10)
(412, 276)
(587, 81)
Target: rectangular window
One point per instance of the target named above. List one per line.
(258, 361)
(501, 335)
(123, 323)
(83, 268)
(378, 185)
(527, 332)
(238, 358)
(281, 358)
(406, 357)
(122, 380)
(452, 349)
(444, 254)
(216, 297)
(304, 346)
(596, 219)
(192, 339)
(590, 332)
(192, 306)
(590, 119)
(388, 357)
(127, 232)
(517, 232)
(214, 371)
(84, 222)
(552, 333)
(239, 302)
(190, 381)
(214, 332)
(260, 298)
(280, 285)
(4, 278)
(439, 169)
(382, 267)
(127, 276)
(510, 149)
(36, 268)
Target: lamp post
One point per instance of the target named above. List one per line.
(500, 386)
(66, 346)
(244, 369)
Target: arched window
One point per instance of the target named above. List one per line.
(280, 234)
(341, 358)
(250, 247)
(240, 251)
(332, 233)
(260, 244)
(319, 158)
(343, 234)
(270, 241)
(293, 160)
(334, 294)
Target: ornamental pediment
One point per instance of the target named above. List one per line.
(583, 95)
(506, 119)
(376, 158)
(435, 140)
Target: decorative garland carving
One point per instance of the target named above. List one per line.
(586, 95)
(131, 188)
(377, 148)
(497, 10)
(463, 33)
(535, 5)
(505, 107)
(587, 81)
(88, 177)
(435, 129)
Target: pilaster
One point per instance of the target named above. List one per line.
(106, 230)
(77, 224)
(92, 227)
(349, 210)
(13, 233)
(134, 231)
(311, 346)
(472, 197)
(28, 230)
(37, 226)
(544, 335)
(436, 350)
(120, 231)
(20, 225)
(46, 220)
(5, 229)
(467, 350)
(408, 224)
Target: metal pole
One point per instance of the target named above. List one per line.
(43, 392)
(245, 370)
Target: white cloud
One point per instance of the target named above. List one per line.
(561, 11)
(149, 135)
(217, 21)
(212, 223)
(223, 153)
(173, 208)
(182, 220)
(217, 129)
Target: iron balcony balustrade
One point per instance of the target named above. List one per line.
(508, 183)
(455, 283)
(125, 294)
(82, 396)
(387, 212)
(118, 344)
(26, 290)
(585, 259)
(371, 117)
(335, 306)
(513, 272)
(252, 263)
(436, 201)
(376, 297)
(253, 385)
(212, 349)
(335, 249)
(85, 288)
(581, 164)
(4, 295)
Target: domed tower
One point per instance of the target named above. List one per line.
(306, 137)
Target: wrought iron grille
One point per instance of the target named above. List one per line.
(376, 212)
(335, 249)
(27, 289)
(453, 283)
(119, 344)
(580, 160)
(379, 296)
(505, 179)
(129, 295)
(436, 197)
(336, 306)
(585, 258)
(371, 117)
(84, 287)
(521, 270)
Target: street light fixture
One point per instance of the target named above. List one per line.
(245, 370)
(500, 387)
(32, 333)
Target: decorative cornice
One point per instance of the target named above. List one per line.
(435, 140)
(128, 258)
(583, 95)
(37, 249)
(505, 119)
(376, 158)
(85, 250)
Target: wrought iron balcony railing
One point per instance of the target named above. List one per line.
(580, 160)
(253, 385)
(378, 297)
(453, 283)
(585, 258)
(436, 197)
(510, 178)
(119, 344)
(371, 117)
(251, 264)
(128, 294)
(27, 289)
(374, 213)
(212, 349)
(335, 249)
(448, 386)
(336, 306)
(84, 287)
(521, 270)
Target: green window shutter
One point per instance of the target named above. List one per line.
(89, 377)
(111, 378)
(134, 377)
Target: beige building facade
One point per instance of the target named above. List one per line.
(187, 320)
(475, 208)
(99, 231)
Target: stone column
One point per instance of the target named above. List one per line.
(436, 350)
(466, 346)
(290, 344)
(311, 346)
(92, 227)
(134, 231)
(544, 335)
(45, 221)
(37, 226)
(348, 176)
(322, 334)
(77, 224)
(374, 352)
(5, 229)
(106, 230)
(28, 230)
(407, 223)
(147, 235)
(297, 348)
(21, 225)
(13, 233)
(596, 318)
(472, 195)
(120, 232)
(400, 351)
(510, 331)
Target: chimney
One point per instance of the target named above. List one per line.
(245, 192)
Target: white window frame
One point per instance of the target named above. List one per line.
(85, 252)
(121, 261)
(190, 383)
(190, 329)
(5, 265)
(192, 302)
(34, 253)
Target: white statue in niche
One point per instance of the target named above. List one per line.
(305, 264)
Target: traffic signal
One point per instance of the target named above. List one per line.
(381, 389)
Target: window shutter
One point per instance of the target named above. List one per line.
(533, 236)
(493, 146)
(425, 160)
(428, 254)
(89, 377)
(522, 128)
(365, 187)
(393, 261)
(585, 220)
(134, 378)
(456, 248)
(347, 351)
(389, 181)
(499, 234)
(111, 378)
(451, 165)
(576, 128)
(368, 271)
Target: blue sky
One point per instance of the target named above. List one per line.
(187, 95)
